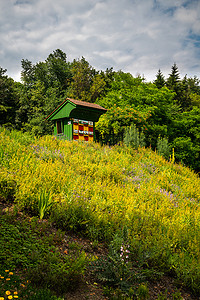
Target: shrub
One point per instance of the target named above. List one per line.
(134, 138)
(163, 147)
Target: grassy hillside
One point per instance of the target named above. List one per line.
(97, 191)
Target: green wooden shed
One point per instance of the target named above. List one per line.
(75, 119)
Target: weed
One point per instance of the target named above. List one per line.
(142, 292)
(28, 249)
(95, 191)
(44, 202)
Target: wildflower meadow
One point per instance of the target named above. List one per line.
(98, 190)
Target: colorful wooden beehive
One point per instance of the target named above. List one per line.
(75, 119)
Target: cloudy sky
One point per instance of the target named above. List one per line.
(136, 36)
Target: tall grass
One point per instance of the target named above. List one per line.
(97, 190)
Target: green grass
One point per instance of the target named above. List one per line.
(31, 259)
(96, 191)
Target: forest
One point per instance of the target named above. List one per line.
(163, 115)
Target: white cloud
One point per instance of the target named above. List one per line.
(132, 35)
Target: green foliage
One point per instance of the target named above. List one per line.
(87, 84)
(117, 270)
(8, 100)
(134, 138)
(163, 147)
(195, 99)
(97, 190)
(58, 276)
(112, 125)
(163, 105)
(160, 80)
(175, 296)
(44, 202)
(43, 294)
(7, 189)
(131, 101)
(34, 253)
(142, 292)
(186, 138)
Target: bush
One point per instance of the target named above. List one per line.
(163, 147)
(134, 138)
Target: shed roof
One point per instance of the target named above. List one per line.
(72, 108)
(87, 104)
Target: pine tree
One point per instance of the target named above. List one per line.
(173, 82)
(160, 80)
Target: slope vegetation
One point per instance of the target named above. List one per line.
(98, 190)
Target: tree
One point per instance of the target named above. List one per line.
(97, 88)
(174, 83)
(27, 73)
(160, 80)
(87, 84)
(185, 99)
(193, 85)
(112, 125)
(45, 85)
(130, 94)
(58, 70)
(8, 100)
(54, 72)
(186, 141)
(174, 79)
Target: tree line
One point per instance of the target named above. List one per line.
(164, 113)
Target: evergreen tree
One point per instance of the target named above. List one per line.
(174, 84)
(174, 79)
(160, 80)
(185, 99)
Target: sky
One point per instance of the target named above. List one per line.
(136, 36)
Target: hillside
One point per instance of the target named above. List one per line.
(135, 201)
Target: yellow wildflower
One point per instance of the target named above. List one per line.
(1, 298)
(6, 271)
(15, 293)
(7, 278)
(8, 292)
(10, 273)
(10, 297)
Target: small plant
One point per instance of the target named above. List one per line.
(162, 296)
(163, 147)
(115, 270)
(177, 295)
(96, 190)
(44, 294)
(142, 292)
(28, 246)
(44, 202)
(7, 189)
(74, 246)
(134, 138)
